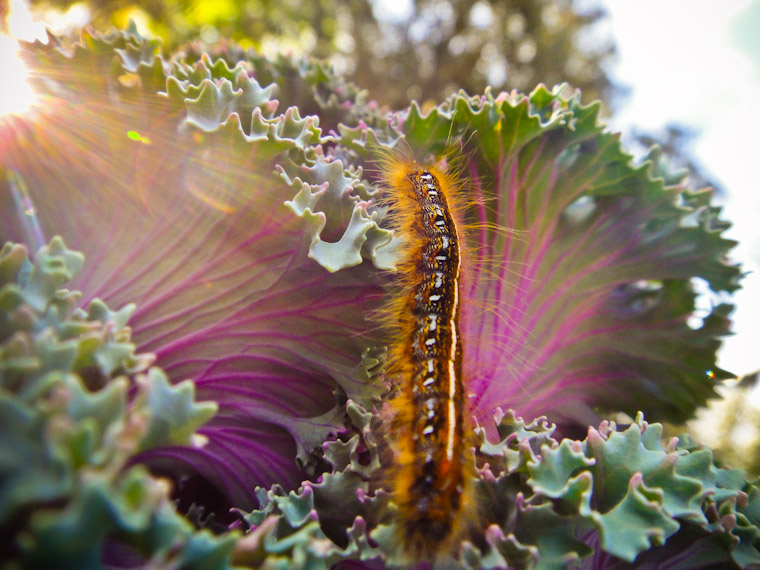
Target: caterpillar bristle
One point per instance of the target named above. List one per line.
(431, 478)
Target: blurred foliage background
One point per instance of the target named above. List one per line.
(399, 50)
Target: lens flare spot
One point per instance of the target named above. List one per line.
(137, 137)
(710, 374)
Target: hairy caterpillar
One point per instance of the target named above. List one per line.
(431, 478)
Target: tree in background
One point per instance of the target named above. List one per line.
(424, 53)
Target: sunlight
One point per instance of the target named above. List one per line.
(20, 96)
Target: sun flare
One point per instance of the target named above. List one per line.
(19, 96)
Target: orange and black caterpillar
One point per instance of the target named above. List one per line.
(432, 475)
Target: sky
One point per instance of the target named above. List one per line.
(695, 63)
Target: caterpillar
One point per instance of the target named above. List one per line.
(431, 477)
